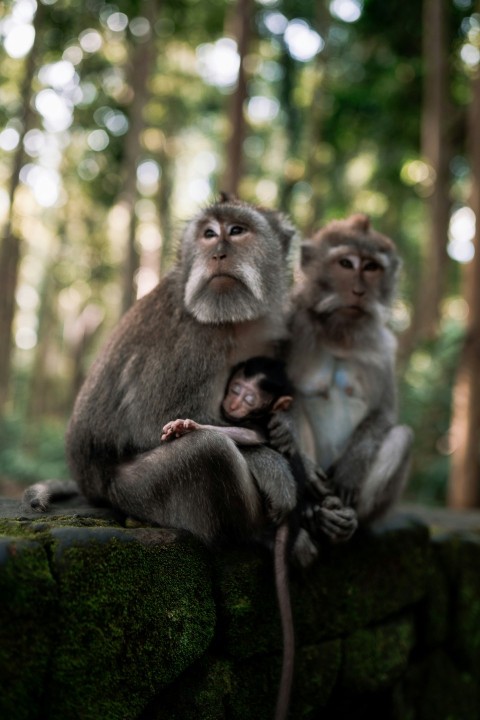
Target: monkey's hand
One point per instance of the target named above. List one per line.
(331, 518)
(280, 433)
(177, 428)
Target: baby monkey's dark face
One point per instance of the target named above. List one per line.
(245, 398)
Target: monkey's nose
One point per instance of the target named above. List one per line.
(358, 290)
(219, 256)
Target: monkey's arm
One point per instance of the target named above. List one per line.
(322, 512)
(281, 434)
(240, 435)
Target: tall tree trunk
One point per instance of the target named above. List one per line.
(464, 482)
(436, 150)
(10, 251)
(141, 63)
(164, 208)
(234, 154)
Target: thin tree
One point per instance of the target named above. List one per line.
(241, 30)
(464, 481)
(10, 251)
(436, 151)
(141, 63)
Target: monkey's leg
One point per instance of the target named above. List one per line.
(274, 478)
(200, 483)
(387, 476)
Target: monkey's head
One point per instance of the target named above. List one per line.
(350, 272)
(233, 257)
(256, 387)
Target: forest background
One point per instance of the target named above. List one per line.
(119, 122)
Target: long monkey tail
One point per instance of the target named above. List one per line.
(286, 617)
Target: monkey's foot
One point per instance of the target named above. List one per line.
(304, 551)
(177, 428)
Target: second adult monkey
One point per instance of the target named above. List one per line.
(170, 357)
(342, 364)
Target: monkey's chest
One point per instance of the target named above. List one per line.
(332, 401)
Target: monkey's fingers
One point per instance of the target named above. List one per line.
(339, 524)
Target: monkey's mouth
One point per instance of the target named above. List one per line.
(352, 310)
(222, 282)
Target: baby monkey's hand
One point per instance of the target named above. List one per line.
(177, 428)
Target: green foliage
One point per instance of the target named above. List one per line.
(425, 397)
(30, 452)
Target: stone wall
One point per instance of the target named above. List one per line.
(104, 622)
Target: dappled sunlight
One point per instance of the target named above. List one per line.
(9, 139)
(219, 62)
(303, 43)
(262, 109)
(16, 29)
(148, 177)
(461, 232)
(347, 10)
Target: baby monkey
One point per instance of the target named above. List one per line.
(257, 387)
(257, 393)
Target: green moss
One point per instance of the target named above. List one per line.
(132, 616)
(28, 596)
(378, 573)
(374, 658)
(466, 605)
(249, 621)
(316, 673)
(435, 611)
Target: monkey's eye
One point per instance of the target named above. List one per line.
(209, 233)
(236, 230)
(346, 263)
(235, 389)
(250, 400)
(371, 266)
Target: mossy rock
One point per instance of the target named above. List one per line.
(378, 573)
(135, 609)
(28, 602)
(375, 658)
(435, 611)
(317, 670)
(200, 693)
(436, 689)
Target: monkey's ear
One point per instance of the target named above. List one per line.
(307, 253)
(226, 197)
(282, 403)
(359, 221)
